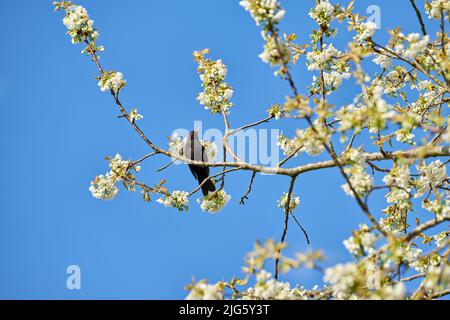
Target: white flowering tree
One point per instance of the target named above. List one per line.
(403, 107)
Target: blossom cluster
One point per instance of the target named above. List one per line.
(362, 242)
(204, 291)
(210, 149)
(365, 30)
(297, 106)
(105, 186)
(313, 140)
(398, 181)
(111, 80)
(373, 113)
(135, 115)
(360, 180)
(327, 60)
(275, 111)
(269, 12)
(176, 145)
(382, 60)
(432, 176)
(442, 239)
(435, 9)
(267, 288)
(348, 279)
(276, 52)
(293, 203)
(438, 278)
(78, 24)
(322, 13)
(321, 59)
(416, 44)
(214, 201)
(177, 199)
(415, 259)
(264, 11)
(289, 146)
(216, 93)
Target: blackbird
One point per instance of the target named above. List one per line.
(194, 150)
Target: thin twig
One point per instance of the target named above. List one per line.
(292, 155)
(249, 189)
(254, 124)
(414, 277)
(132, 164)
(301, 227)
(166, 166)
(419, 16)
(287, 211)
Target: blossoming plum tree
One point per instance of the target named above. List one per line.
(404, 109)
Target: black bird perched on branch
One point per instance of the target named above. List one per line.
(194, 150)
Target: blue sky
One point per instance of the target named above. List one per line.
(56, 128)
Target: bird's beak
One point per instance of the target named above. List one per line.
(196, 131)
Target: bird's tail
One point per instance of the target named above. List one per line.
(207, 187)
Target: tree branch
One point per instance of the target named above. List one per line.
(419, 16)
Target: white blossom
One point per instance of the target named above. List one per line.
(135, 116)
(382, 60)
(177, 199)
(322, 13)
(313, 140)
(442, 239)
(412, 257)
(395, 291)
(268, 288)
(273, 54)
(361, 242)
(176, 145)
(214, 201)
(104, 187)
(111, 81)
(216, 93)
(333, 80)
(417, 44)
(446, 136)
(275, 111)
(293, 203)
(264, 11)
(436, 7)
(365, 30)
(118, 166)
(210, 149)
(319, 60)
(398, 181)
(433, 175)
(437, 278)
(289, 146)
(342, 278)
(79, 25)
(440, 208)
(360, 180)
(204, 291)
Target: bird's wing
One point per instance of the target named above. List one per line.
(205, 159)
(192, 168)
